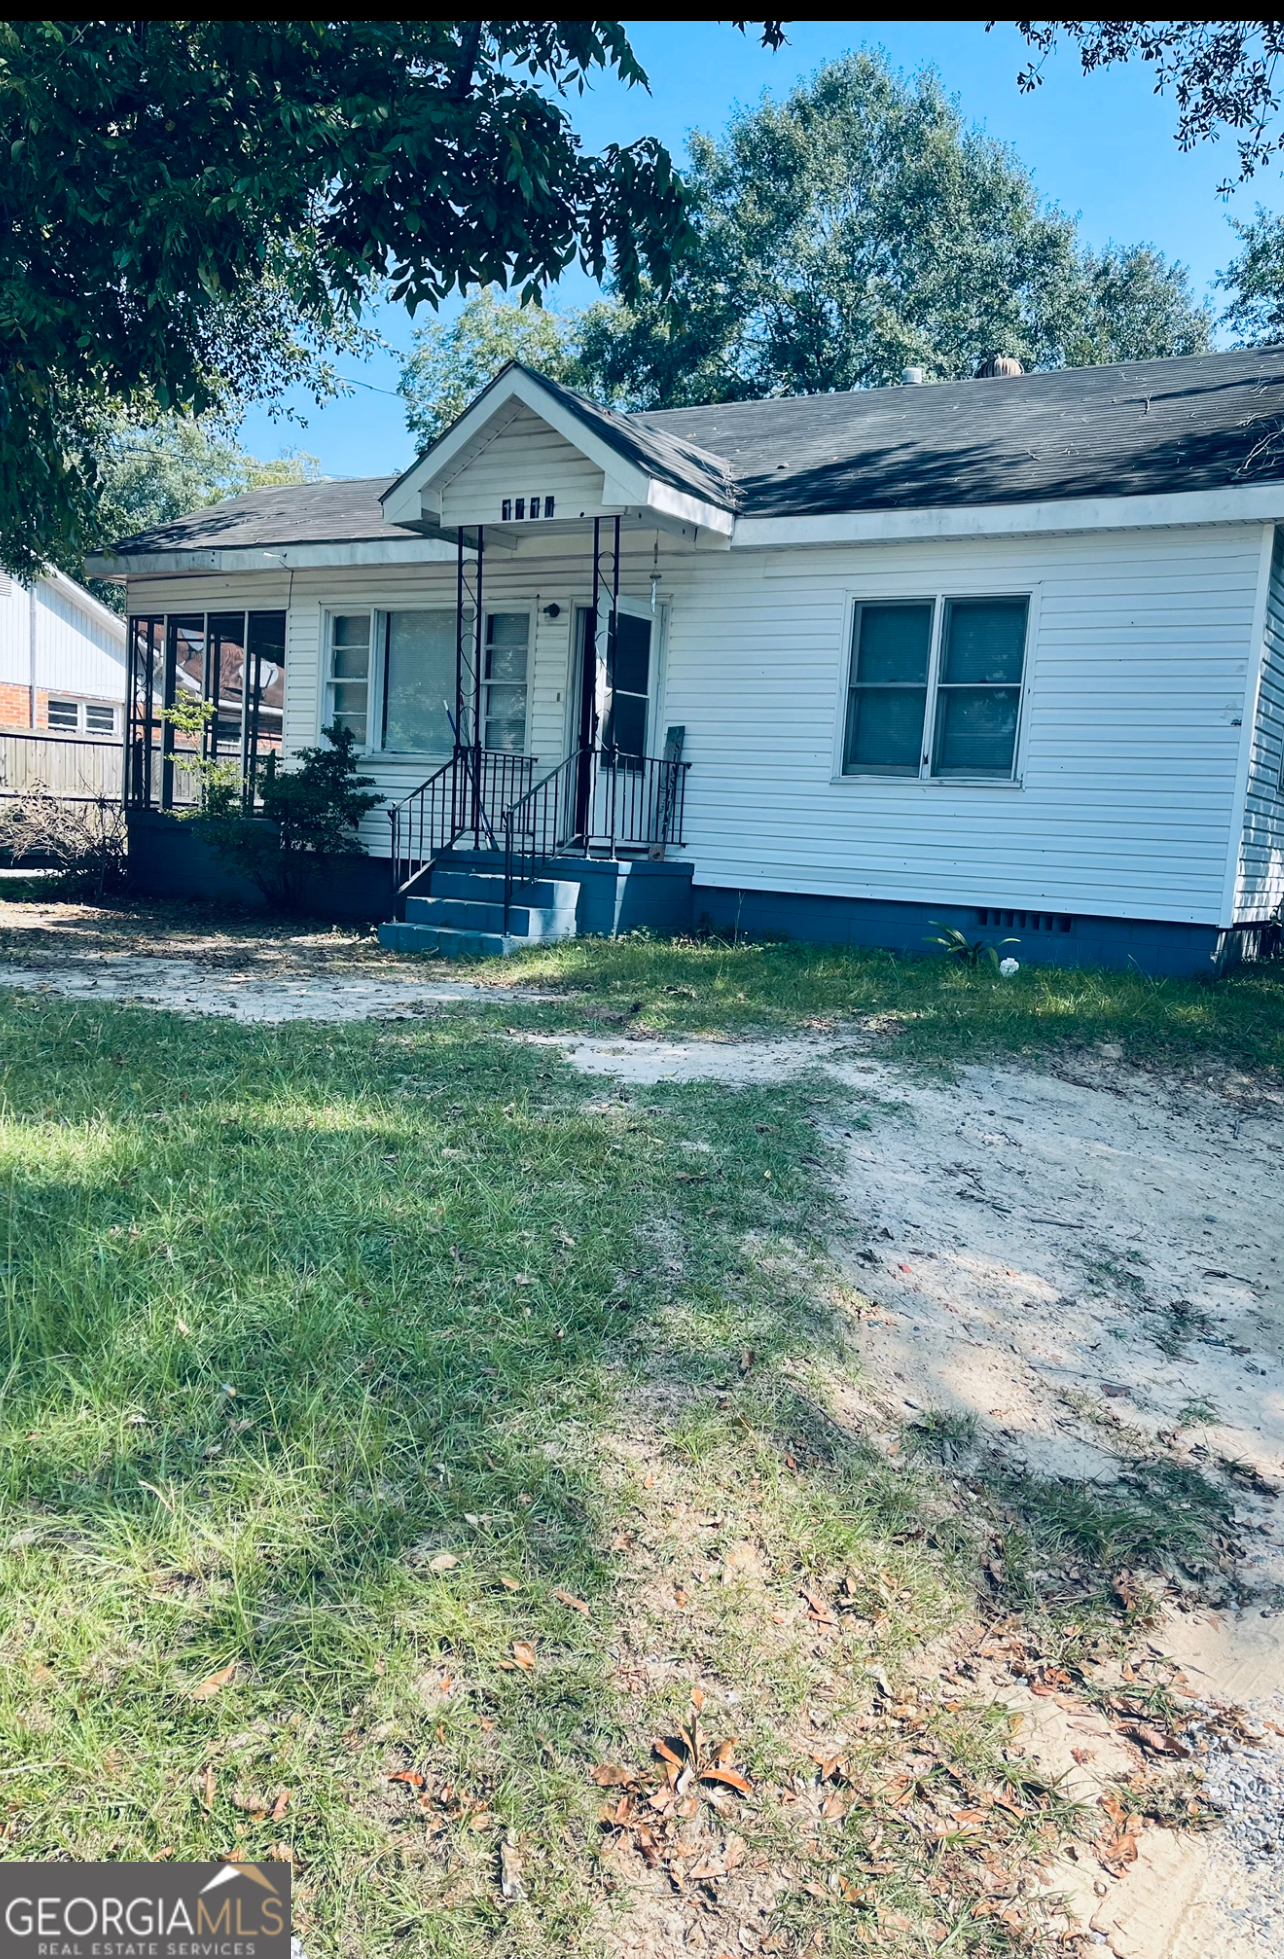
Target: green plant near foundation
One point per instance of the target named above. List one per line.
(307, 812)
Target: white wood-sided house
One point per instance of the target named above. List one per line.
(1006, 654)
(62, 659)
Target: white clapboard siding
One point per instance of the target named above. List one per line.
(1127, 799)
(525, 458)
(80, 648)
(1261, 858)
(1138, 666)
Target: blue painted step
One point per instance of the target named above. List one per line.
(463, 916)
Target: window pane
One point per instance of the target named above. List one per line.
(626, 724)
(507, 634)
(893, 642)
(507, 628)
(64, 714)
(976, 730)
(100, 720)
(885, 730)
(984, 641)
(420, 683)
(351, 662)
(632, 663)
(351, 629)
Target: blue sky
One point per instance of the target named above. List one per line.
(1101, 146)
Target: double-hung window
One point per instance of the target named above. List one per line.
(934, 688)
(349, 685)
(504, 681)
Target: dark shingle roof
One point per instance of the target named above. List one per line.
(289, 513)
(1141, 427)
(1134, 429)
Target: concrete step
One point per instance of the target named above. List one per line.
(562, 894)
(443, 939)
(536, 922)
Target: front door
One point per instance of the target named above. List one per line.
(610, 698)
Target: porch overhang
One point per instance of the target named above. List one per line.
(629, 487)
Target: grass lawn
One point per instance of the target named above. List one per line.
(930, 1009)
(399, 1430)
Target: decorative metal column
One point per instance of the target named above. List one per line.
(470, 656)
(599, 649)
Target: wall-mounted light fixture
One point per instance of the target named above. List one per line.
(552, 611)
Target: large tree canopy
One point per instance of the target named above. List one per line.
(851, 230)
(193, 210)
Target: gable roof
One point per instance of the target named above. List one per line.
(1135, 428)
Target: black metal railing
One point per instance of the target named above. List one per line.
(467, 796)
(596, 800)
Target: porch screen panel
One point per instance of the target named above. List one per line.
(419, 682)
(184, 687)
(227, 683)
(887, 696)
(630, 680)
(979, 695)
(265, 666)
(146, 682)
(507, 659)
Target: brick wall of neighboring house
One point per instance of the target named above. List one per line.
(15, 705)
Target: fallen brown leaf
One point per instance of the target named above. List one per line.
(510, 1869)
(730, 1777)
(607, 1776)
(206, 1689)
(567, 1598)
(524, 1654)
(281, 1804)
(444, 1561)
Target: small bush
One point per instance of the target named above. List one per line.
(309, 811)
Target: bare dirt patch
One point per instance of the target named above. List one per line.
(189, 961)
(1076, 1272)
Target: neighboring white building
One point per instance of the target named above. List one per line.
(62, 659)
(1006, 654)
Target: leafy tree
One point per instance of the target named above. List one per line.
(149, 475)
(859, 227)
(1222, 72)
(450, 363)
(195, 210)
(1255, 279)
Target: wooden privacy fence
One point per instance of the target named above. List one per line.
(78, 771)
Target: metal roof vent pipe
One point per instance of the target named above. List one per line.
(912, 377)
(998, 366)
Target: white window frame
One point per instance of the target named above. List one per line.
(338, 610)
(102, 707)
(489, 609)
(938, 599)
(61, 727)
